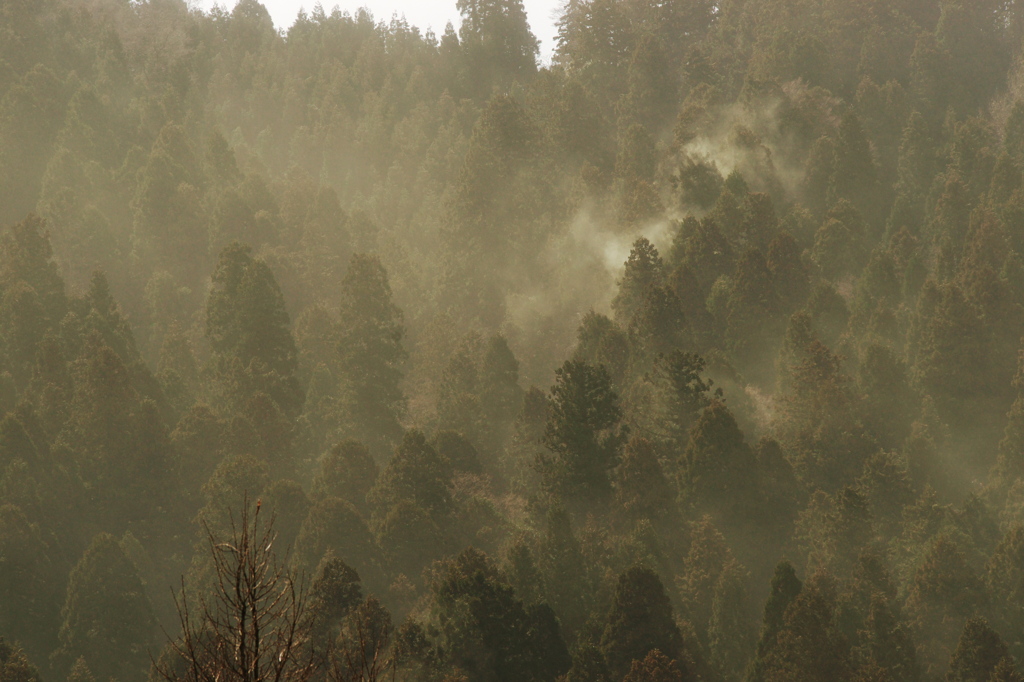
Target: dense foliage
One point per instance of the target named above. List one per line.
(693, 355)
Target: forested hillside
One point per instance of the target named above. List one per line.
(693, 355)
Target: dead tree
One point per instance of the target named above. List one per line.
(254, 625)
(364, 652)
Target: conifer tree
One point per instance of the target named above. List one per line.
(107, 618)
(642, 489)
(486, 629)
(681, 394)
(707, 558)
(643, 269)
(347, 471)
(15, 665)
(1004, 578)
(371, 353)
(333, 526)
(785, 587)
(28, 583)
(501, 396)
(977, 654)
(601, 342)
(583, 432)
(559, 558)
(808, 645)
(640, 621)
(655, 667)
(248, 329)
(334, 592)
(717, 474)
(414, 474)
(731, 631)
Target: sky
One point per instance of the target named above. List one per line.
(422, 13)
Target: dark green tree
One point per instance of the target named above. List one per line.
(643, 269)
(977, 654)
(584, 432)
(347, 471)
(107, 618)
(640, 621)
(371, 354)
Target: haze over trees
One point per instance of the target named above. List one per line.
(350, 352)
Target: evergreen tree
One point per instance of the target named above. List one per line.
(681, 395)
(808, 645)
(486, 629)
(348, 472)
(333, 527)
(785, 587)
(371, 353)
(583, 432)
(642, 489)
(107, 618)
(643, 269)
(640, 621)
(655, 667)
(731, 632)
(718, 467)
(246, 322)
(977, 654)
(414, 474)
(15, 665)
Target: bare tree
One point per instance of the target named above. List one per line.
(364, 653)
(254, 626)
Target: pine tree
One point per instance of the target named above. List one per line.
(496, 41)
(706, 558)
(501, 396)
(26, 255)
(731, 631)
(559, 558)
(808, 645)
(655, 667)
(708, 254)
(681, 394)
(486, 629)
(790, 277)
(417, 474)
(15, 665)
(588, 665)
(347, 471)
(977, 654)
(458, 400)
(247, 324)
(642, 489)
(1004, 577)
(640, 621)
(785, 588)
(643, 269)
(107, 618)
(334, 593)
(944, 593)
(28, 582)
(600, 341)
(334, 527)
(954, 360)
(889, 641)
(583, 432)
(456, 450)
(718, 467)
(371, 353)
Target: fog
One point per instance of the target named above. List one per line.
(605, 341)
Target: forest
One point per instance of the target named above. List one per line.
(350, 352)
